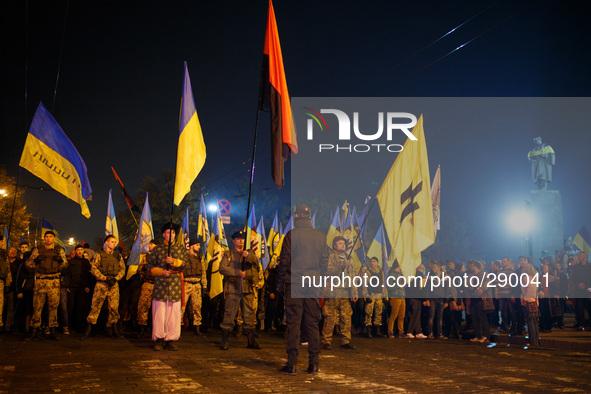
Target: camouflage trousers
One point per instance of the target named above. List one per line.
(193, 294)
(337, 311)
(45, 290)
(374, 309)
(144, 304)
(102, 291)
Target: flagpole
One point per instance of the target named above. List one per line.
(362, 226)
(254, 149)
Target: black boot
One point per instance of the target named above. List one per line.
(252, 342)
(368, 332)
(238, 330)
(198, 332)
(225, 334)
(377, 332)
(117, 332)
(158, 345)
(88, 331)
(52, 334)
(32, 335)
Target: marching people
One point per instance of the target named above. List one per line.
(108, 268)
(195, 282)
(241, 272)
(337, 303)
(165, 263)
(304, 251)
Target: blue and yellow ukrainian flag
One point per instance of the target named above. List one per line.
(379, 248)
(51, 156)
(202, 226)
(191, 149)
(111, 224)
(141, 245)
(583, 240)
(334, 229)
(183, 237)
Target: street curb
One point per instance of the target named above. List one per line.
(544, 342)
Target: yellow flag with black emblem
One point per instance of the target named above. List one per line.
(405, 202)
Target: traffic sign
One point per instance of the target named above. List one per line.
(224, 207)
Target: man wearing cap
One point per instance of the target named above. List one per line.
(165, 263)
(195, 281)
(304, 253)
(46, 261)
(145, 300)
(108, 268)
(241, 273)
(337, 306)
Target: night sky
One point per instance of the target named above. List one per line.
(121, 74)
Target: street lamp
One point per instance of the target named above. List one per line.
(521, 221)
(213, 208)
(3, 193)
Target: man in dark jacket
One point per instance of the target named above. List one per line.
(304, 255)
(77, 279)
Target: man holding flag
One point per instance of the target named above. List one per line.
(165, 263)
(241, 269)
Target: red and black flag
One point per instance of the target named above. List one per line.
(128, 199)
(274, 97)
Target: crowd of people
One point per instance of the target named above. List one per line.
(42, 291)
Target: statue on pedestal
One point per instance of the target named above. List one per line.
(542, 159)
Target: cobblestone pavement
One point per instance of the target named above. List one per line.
(103, 364)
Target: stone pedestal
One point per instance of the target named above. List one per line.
(547, 232)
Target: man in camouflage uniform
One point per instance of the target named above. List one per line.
(46, 261)
(145, 301)
(337, 306)
(165, 263)
(241, 273)
(373, 298)
(195, 281)
(109, 268)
